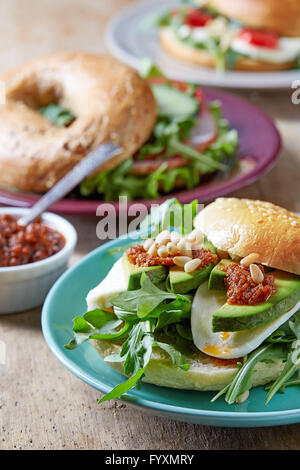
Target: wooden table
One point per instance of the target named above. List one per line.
(42, 405)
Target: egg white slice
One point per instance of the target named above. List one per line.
(226, 345)
(113, 284)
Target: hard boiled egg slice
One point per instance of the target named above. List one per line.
(226, 345)
(113, 284)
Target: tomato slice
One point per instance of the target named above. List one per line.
(259, 38)
(197, 18)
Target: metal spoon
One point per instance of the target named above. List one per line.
(94, 159)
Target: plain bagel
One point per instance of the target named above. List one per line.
(110, 102)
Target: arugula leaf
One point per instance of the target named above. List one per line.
(133, 349)
(172, 312)
(169, 138)
(288, 372)
(243, 379)
(147, 69)
(57, 114)
(96, 324)
(142, 301)
(124, 387)
(294, 324)
(136, 351)
(170, 214)
(176, 357)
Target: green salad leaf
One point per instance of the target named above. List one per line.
(57, 114)
(169, 137)
(242, 382)
(96, 324)
(143, 301)
(138, 324)
(169, 214)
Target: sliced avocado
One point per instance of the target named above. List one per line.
(133, 273)
(181, 282)
(217, 275)
(242, 317)
(209, 246)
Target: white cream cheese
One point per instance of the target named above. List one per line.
(113, 284)
(288, 50)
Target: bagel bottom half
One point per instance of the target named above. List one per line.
(196, 56)
(205, 373)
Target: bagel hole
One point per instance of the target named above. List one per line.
(35, 94)
(46, 99)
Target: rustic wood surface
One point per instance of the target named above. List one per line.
(42, 405)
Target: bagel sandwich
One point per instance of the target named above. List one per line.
(212, 309)
(258, 35)
(61, 107)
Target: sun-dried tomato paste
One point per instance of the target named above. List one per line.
(138, 255)
(22, 245)
(242, 290)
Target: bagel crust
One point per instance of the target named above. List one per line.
(205, 373)
(243, 226)
(280, 16)
(202, 57)
(110, 100)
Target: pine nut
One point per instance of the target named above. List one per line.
(256, 273)
(181, 260)
(188, 250)
(172, 248)
(175, 237)
(162, 251)
(148, 243)
(195, 236)
(243, 397)
(153, 250)
(163, 237)
(252, 258)
(192, 265)
(181, 245)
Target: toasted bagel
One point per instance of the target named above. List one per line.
(205, 372)
(192, 55)
(110, 102)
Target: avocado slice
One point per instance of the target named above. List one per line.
(134, 273)
(217, 275)
(181, 282)
(242, 317)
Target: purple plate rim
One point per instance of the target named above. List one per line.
(203, 193)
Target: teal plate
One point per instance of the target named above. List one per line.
(67, 300)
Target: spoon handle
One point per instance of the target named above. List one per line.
(94, 159)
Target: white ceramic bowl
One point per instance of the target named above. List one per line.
(26, 286)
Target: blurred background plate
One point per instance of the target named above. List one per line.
(259, 145)
(131, 37)
(67, 300)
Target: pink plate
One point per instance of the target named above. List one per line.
(259, 145)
